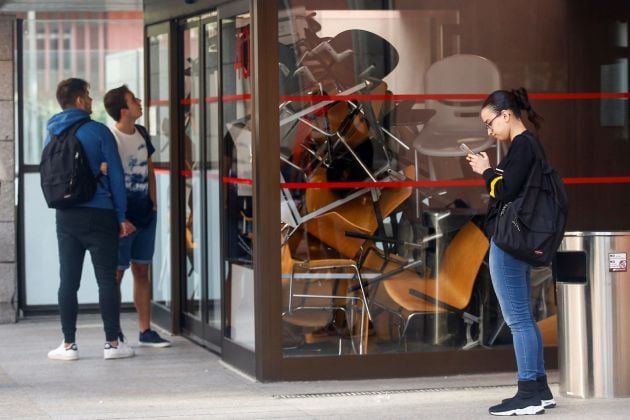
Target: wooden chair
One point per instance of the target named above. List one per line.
(358, 215)
(407, 295)
(314, 288)
(549, 330)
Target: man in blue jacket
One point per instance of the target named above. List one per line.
(92, 226)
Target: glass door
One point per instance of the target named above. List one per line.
(158, 120)
(214, 305)
(237, 236)
(199, 180)
(190, 174)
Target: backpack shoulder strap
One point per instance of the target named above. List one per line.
(143, 132)
(74, 127)
(538, 149)
(71, 130)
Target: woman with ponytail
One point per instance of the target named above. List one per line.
(502, 113)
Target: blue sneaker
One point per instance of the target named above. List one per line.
(150, 338)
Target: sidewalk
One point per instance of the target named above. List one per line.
(188, 382)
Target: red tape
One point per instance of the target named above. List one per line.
(418, 184)
(401, 184)
(554, 96)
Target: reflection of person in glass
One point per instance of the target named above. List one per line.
(501, 113)
(135, 149)
(189, 158)
(237, 163)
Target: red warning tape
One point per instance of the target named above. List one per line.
(401, 184)
(405, 97)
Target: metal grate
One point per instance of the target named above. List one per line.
(386, 392)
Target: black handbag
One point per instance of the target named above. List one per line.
(531, 227)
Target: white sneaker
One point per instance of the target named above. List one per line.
(63, 353)
(122, 351)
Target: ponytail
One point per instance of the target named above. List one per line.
(522, 100)
(516, 101)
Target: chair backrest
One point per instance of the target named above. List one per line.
(310, 318)
(357, 215)
(460, 73)
(460, 264)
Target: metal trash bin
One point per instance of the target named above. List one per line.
(593, 291)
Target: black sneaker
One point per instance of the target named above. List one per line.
(526, 401)
(545, 393)
(546, 397)
(150, 338)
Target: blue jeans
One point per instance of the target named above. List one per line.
(511, 282)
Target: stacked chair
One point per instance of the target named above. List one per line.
(332, 238)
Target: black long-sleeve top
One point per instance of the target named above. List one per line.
(506, 181)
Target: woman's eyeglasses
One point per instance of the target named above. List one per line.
(489, 123)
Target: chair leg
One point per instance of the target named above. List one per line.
(364, 328)
(497, 332)
(470, 320)
(404, 331)
(351, 322)
(363, 295)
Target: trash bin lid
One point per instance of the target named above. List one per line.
(597, 233)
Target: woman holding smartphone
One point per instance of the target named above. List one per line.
(502, 113)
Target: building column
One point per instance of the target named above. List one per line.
(8, 226)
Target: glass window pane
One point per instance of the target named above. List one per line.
(237, 172)
(54, 50)
(375, 103)
(213, 181)
(191, 174)
(159, 127)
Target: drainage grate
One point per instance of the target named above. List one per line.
(386, 392)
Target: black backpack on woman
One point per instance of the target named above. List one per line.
(531, 227)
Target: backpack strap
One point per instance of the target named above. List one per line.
(147, 138)
(72, 131)
(538, 149)
(144, 133)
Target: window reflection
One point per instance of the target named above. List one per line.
(213, 181)
(382, 243)
(159, 128)
(191, 170)
(238, 237)
(56, 46)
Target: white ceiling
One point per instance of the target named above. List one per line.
(69, 5)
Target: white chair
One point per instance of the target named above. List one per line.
(456, 121)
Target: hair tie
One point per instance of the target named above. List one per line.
(520, 100)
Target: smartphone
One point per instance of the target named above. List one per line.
(467, 150)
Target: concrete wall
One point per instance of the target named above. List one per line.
(8, 266)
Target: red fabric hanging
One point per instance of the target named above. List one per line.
(241, 61)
